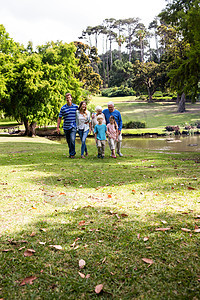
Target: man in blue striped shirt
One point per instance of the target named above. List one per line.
(68, 112)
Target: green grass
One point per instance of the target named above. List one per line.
(102, 211)
(156, 115)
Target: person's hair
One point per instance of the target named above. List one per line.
(99, 117)
(80, 105)
(68, 94)
(115, 123)
(111, 103)
(98, 108)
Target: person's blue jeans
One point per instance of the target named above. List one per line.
(70, 138)
(83, 135)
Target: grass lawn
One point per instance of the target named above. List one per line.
(156, 115)
(134, 221)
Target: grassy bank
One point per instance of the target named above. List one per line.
(133, 220)
(156, 115)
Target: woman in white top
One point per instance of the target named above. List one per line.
(83, 124)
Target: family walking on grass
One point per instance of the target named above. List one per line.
(103, 124)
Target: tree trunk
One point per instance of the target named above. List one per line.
(104, 71)
(150, 95)
(181, 105)
(107, 63)
(30, 129)
(178, 99)
(111, 59)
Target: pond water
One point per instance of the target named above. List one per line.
(160, 144)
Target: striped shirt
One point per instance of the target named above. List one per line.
(69, 115)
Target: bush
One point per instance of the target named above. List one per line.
(142, 97)
(118, 92)
(158, 94)
(134, 125)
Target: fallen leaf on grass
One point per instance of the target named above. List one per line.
(81, 274)
(163, 229)
(33, 234)
(191, 188)
(87, 276)
(29, 252)
(164, 222)
(185, 229)
(109, 196)
(81, 263)
(148, 261)
(198, 217)
(6, 250)
(124, 215)
(28, 280)
(57, 247)
(43, 229)
(98, 288)
(146, 239)
(21, 248)
(197, 230)
(81, 223)
(103, 261)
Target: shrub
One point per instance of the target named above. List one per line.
(118, 92)
(142, 97)
(134, 125)
(158, 94)
(197, 124)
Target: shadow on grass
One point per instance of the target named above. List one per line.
(112, 244)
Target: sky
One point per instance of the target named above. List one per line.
(41, 21)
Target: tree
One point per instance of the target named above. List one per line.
(149, 76)
(131, 25)
(87, 58)
(154, 26)
(35, 84)
(185, 75)
(7, 44)
(119, 74)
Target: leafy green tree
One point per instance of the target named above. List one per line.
(149, 76)
(120, 73)
(7, 44)
(35, 84)
(87, 58)
(185, 66)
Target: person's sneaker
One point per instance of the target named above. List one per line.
(86, 154)
(82, 156)
(72, 156)
(120, 154)
(99, 155)
(102, 156)
(113, 156)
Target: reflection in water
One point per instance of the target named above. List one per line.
(180, 144)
